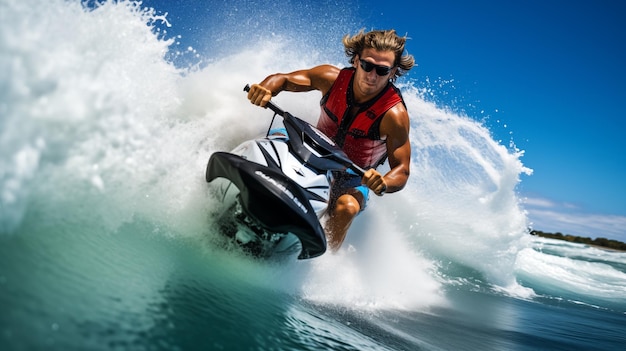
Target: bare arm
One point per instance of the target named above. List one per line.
(395, 126)
(317, 78)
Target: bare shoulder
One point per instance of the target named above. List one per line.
(323, 77)
(395, 122)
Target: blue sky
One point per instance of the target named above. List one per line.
(550, 75)
(553, 73)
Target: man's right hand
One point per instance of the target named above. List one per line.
(259, 95)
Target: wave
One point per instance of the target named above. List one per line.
(574, 272)
(99, 125)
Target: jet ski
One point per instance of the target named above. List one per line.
(275, 189)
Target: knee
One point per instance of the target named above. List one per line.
(347, 205)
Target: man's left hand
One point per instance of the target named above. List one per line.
(375, 181)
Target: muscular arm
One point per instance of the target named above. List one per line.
(317, 78)
(395, 126)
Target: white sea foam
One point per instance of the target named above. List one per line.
(96, 123)
(573, 271)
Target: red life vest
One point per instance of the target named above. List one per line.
(358, 135)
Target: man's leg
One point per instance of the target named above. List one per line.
(345, 210)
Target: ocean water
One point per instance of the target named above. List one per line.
(107, 238)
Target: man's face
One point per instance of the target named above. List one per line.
(368, 84)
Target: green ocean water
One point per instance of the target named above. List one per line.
(77, 288)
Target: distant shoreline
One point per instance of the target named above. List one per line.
(603, 243)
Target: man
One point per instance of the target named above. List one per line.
(363, 112)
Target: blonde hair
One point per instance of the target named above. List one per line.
(380, 40)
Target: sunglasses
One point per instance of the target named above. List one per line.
(380, 70)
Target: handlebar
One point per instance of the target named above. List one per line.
(358, 170)
(269, 104)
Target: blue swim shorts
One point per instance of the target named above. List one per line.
(349, 179)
